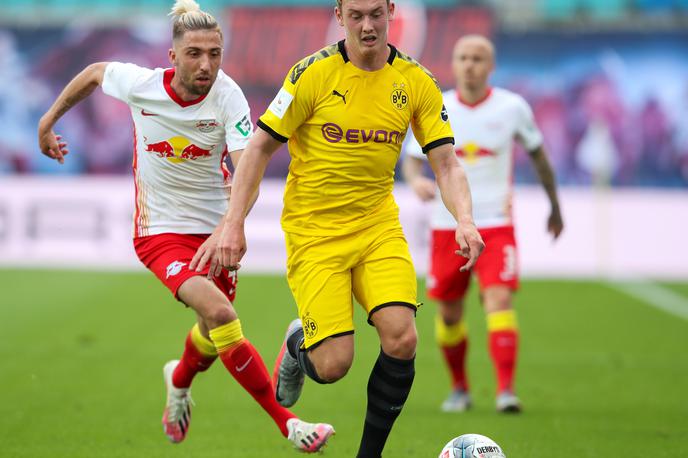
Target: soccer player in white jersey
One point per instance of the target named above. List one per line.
(485, 121)
(187, 120)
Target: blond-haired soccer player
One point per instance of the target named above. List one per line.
(486, 122)
(187, 120)
(344, 111)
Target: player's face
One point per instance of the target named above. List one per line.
(472, 63)
(365, 23)
(196, 57)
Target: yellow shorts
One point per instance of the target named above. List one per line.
(374, 264)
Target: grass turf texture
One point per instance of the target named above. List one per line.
(81, 358)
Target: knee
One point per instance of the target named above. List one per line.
(219, 315)
(403, 344)
(497, 299)
(451, 312)
(333, 367)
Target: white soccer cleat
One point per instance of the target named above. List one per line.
(288, 377)
(458, 401)
(507, 402)
(308, 437)
(177, 415)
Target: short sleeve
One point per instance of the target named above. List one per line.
(292, 105)
(238, 125)
(527, 132)
(119, 79)
(430, 122)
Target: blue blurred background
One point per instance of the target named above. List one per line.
(607, 80)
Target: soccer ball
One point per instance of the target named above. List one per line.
(472, 446)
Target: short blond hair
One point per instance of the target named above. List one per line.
(188, 16)
(339, 4)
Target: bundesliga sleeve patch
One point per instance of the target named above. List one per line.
(243, 126)
(280, 103)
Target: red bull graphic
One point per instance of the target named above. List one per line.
(471, 152)
(178, 149)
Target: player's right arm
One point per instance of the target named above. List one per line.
(291, 107)
(77, 90)
(412, 171)
(247, 177)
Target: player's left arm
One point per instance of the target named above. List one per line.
(555, 223)
(456, 195)
(529, 135)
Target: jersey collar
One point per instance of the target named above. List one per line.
(167, 82)
(345, 56)
(477, 102)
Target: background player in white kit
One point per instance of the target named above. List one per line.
(485, 121)
(187, 120)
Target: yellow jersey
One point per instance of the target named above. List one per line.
(345, 127)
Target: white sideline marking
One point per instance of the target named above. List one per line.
(655, 295)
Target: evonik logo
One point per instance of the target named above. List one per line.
(333, 133)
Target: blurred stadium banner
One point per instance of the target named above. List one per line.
(86, 223)
(607, 85)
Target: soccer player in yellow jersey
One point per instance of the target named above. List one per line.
(345, 111)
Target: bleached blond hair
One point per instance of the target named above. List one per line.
(188, 16)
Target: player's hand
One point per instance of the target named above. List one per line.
(51, 144)
(470, 243)
(424, 188)
(555, 224)
(232, 246)
(207, 253)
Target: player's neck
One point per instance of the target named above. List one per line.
(473, 96)
(181, 91)
(371, 62)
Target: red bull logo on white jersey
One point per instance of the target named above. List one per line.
(471, 152)
(178, 149)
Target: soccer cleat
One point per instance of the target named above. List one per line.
(507, 402)
(177, 415)
(458, 401)
(287, 375)
(308, 437)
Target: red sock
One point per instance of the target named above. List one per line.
(455, 357)
(192, 362)
(248, 368)
(503, 348)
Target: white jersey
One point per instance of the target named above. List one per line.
(483, 135)
(181, 180)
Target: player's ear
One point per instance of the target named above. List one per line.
(338, 15)
(172, 56)
(392, 8)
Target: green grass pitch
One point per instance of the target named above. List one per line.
(81, 356)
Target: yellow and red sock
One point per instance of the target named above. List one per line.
(503, 337)
(453, 340)
(199, 354)
(243, 361)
